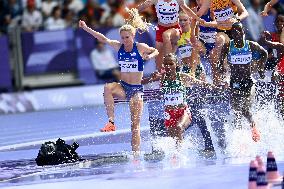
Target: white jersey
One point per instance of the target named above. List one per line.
(167, 12)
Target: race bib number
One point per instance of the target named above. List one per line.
(208, 37)
(223, 15)
(173, 99)
(129, 66)
(185, 51)
(167, 13)
(241, 59)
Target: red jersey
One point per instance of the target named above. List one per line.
(280, 64)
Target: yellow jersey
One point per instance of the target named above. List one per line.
(182, 41)
(184, 49)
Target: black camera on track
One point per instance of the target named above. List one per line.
(55, 153)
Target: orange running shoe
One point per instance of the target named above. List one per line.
(109, 127)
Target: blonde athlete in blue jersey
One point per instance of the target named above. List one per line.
(131, 56)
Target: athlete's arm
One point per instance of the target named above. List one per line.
(212, 24)
(114, 43)
(255, 47)
(188, 80)
(272, 45)
(241, 9)
(146, 4)
(194, 31)
(155, 76)
(205, 5)
(146, 51)
(268, 7)
(188, 11)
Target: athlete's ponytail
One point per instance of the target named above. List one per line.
(136, 21)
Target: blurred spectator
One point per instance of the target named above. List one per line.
(113, 19)
(38, 3)
(47, 7)
(112, 16)
(10, 15)
(91, 13)
(75, 5)
(254, 21)
(55, 22)
(104, 62)
(32, 18)
(68, 17)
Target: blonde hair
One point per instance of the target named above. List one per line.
(182, 13)
(127, 27)
(136, 21)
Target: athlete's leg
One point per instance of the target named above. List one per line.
(221, 39)
(201, 123)
(195, 58)
(112, 90)
(177, 130)
(159, 57)
(136, 108)
(170, 37)
(246, 112)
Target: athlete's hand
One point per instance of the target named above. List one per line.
(82, 24)
(146, 56)
(201, 21)
(180, 2)
(255, 133)
(263, 13)
(266, 34)
(264, 37)
(228, 23)
(156, 76)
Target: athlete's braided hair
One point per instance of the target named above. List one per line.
(136, 21)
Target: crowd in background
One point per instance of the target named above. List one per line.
(33, 15)
(36, 15)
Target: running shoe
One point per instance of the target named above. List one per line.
(109, 127)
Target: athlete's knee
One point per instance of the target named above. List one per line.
(108, 88)
(220, 41)
(166, 37)
(137, 100)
